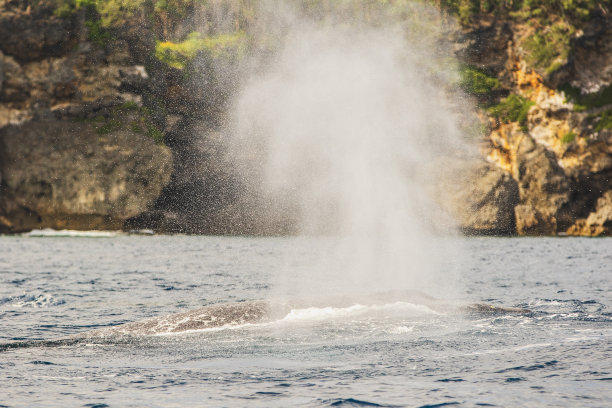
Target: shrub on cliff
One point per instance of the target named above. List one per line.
(476, 81)
(514, 108)
(602, 121)
(469, 11)
(110, 11)
(179, 54)
(549, 48)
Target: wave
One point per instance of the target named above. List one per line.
(28, 300)
(323, 313)
(51, 233)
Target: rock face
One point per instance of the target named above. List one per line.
(32, 33)
(592, 64)
(560, 152)
(599, 222)
(76, 145)
(80, 180)
(481, 198)
(542, 185)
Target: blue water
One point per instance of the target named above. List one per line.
(396, 354)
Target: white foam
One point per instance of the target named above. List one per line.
(318, 314)
(142, 232)
(49, 232)
(401, 329)
(27, 300)
(211, 329)
(324, 313)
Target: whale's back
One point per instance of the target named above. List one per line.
(203, 318)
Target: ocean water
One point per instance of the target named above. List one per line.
(385, 354)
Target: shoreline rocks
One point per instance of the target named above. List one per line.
(64, 175)
(77, 146)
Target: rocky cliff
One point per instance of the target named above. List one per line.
(111, 115)
(78, 147)
(541, 73)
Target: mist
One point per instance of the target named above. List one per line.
(342, 134)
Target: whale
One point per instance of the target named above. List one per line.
(264, 311)
(233, 314)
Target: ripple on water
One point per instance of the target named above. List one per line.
(31, 300)
(354, 402)
(348, 356)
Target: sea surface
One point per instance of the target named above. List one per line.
(54, 285)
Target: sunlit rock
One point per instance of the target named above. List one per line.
(481, 198)
(599, 222)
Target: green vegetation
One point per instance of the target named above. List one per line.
(154, 133)
(552, 24)
(568, 137)
(98, 34)
(574, 11)
(97, 30)
(113, 11)
(131, 116)
(589, 101)
(109, 126)
(65, 8)
(128, 106)
(466, 10)
(549, 48)
(554, 21)
(514, 108)
(178, 55)
(604, 121)
(135, 127)
(476, 81)
(108, 11)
